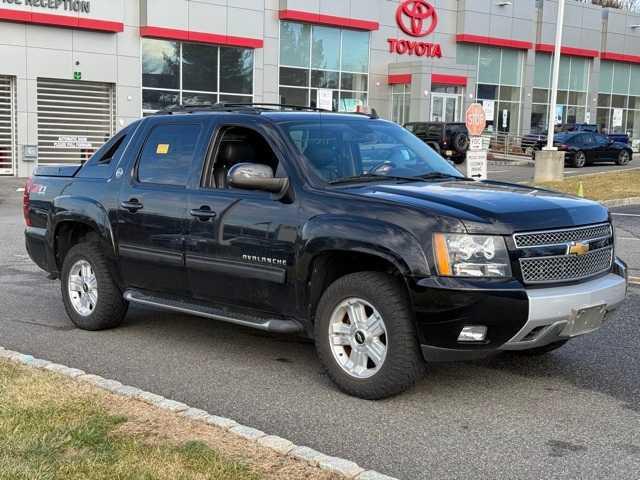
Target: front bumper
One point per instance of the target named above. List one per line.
(516, 318)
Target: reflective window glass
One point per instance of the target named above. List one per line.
(542, 75)
(325, 53)
(489, 65)
(199, 67)
(294, 96)
(295, 44)
(168, 154)
(352, 81)
(606, 77)
(579, 74)
(236, 70)
(159, 99)
(160, 64)
(563, 79)
(355, 58)
(295, 77)
(621, 79)
(635, 80)
(324, 79)
(511, 69)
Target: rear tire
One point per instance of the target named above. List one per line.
(375, 355)
(579, 160)
(535, 352)
(623, 158)
(91, 297)
(460, 142)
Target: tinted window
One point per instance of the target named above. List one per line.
(199, 67)
(337, 149)
(236, 70)
(168, 154)
(160, 63)
(587, 139)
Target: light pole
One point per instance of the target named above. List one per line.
(554, 79)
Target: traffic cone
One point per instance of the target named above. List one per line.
(580, 190)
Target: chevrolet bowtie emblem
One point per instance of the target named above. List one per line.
(578, 248)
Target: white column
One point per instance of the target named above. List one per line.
(555, 76)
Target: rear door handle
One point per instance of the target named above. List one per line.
(203, 213)
(133, 205)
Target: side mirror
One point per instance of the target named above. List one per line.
(255, 176)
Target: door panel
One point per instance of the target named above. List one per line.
(243, 256)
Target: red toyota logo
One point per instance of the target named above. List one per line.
(411, 16)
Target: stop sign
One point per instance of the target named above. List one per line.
(475, 119)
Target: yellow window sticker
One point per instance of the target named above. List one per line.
(163, 149)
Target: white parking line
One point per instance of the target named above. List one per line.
(626, 214)
(629, 238)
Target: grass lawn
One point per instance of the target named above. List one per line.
(600, 186)
(54, 428)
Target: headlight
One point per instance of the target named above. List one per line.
(471, 256)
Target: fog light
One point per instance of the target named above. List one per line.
(473, 333)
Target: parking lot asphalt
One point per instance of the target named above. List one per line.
(517, 174)
(572, 414)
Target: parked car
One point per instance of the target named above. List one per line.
(268, 218)
(583, 148)
(451, 140)
(533, 142)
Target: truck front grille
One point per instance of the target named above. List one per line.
(566, 268)
(558, 237)
(565, 265)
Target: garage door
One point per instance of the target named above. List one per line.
(74, 119)
(7, 125)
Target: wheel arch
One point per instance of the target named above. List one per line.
(73, 220)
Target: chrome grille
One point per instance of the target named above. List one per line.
(558, 237)
(566, 268)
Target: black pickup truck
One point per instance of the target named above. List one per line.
(342, 228)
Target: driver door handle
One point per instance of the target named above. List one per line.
(203, 213)
(133, 205)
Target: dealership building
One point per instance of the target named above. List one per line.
(73, 72)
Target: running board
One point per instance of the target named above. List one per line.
(268, 325)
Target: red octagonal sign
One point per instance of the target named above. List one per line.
(475, 119)
(412, 16)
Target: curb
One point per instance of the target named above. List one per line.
(621, 202)
(279, 445)
(512, 163)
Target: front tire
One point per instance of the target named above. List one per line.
(579, 160)
(91, 297)
(365, 336)
(623, 158)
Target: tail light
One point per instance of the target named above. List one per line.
(562, 146)
(26, 200)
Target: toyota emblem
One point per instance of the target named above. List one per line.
(412, 16)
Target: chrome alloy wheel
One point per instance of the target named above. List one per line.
(83, 288)
(358, 338)
(623, 158)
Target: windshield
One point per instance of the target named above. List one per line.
(339, 149)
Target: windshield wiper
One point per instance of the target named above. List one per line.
(367, 177)
(438, 175)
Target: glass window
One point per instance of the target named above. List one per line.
(488, 92)
(466, 54)
(621, 79)
(153, 100)
(295, 77)
(579, 74)
(326, 65)
(635, 80)
(182, 73)
(235, 98)
(199, 67)
(355, 58)
(489, 65)
(195, 99)
(295, 44)
(563, 78)
(339, 149)
(326, 48)
(168, 154)
(160, 64)
(400, 103)
(606, 77)
(323, 79)
(511, 68)
(542, 75)
(294, 96)
(353, 81)
(236, 70)
(540, 96)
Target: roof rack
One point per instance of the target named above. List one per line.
(255, 108)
